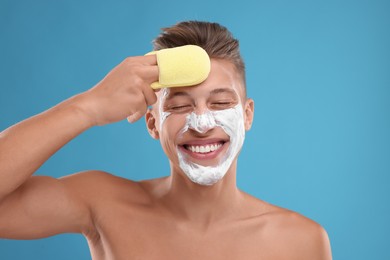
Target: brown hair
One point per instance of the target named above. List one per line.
(214, 38)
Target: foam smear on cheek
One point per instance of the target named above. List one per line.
(162, 113)
(232, 122)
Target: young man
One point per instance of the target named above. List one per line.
(197, 212)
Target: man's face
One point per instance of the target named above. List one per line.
(201, 126)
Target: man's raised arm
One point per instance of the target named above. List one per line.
(27, 201)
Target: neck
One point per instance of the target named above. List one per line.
(202, 204)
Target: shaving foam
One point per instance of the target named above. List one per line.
(163, 114)
(232, 122)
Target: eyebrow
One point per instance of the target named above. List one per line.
(223, 90)
(177, 94)
(213, 92)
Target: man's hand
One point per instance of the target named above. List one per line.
(124, 92)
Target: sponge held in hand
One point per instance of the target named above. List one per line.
(181, 66)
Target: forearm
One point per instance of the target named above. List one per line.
(25, 146)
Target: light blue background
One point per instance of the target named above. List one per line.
(318, 71)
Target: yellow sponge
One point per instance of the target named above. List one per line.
(181, 66)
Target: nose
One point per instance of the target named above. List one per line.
(201, 123)
(200, 108)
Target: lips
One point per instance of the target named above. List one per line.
(203, 149)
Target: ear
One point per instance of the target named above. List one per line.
(249, 113)
(150, 119)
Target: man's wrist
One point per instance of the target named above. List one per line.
(82, 109)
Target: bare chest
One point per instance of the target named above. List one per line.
(147, 235)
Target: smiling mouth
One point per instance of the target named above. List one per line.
(203, 151)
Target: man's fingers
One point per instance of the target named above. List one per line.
(150, 95)
(134, 117)
(151, 73)
(137, 115)
(150, 59)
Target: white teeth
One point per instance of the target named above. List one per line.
(203, 149)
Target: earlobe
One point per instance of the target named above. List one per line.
(151, 124)
(249, 113)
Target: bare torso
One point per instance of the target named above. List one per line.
(130, 223)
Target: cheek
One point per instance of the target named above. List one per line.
(171, 129)
(172, 124)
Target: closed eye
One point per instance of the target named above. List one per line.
(183, 108)
(222, 104)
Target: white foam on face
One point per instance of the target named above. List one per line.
(230, 120)
(162, 113)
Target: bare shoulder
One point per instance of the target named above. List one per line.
(299, 236)
(98, 186)
(288, 234)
